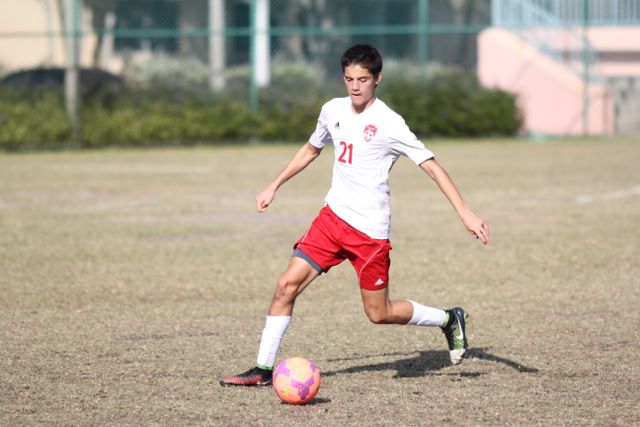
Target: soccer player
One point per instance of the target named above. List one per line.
(368, 137)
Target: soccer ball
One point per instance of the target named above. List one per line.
(296, 380)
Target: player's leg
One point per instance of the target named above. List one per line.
(315, 252)
(381, 310)
(373, 265)
(453, 325)
(370, 258)
(291, 283)
(298, 274)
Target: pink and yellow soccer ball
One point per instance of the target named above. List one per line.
(296, 380)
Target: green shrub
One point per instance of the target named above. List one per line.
(31, 121)
(453, 105)
(290, 115)
(158, 123)
(446, 106)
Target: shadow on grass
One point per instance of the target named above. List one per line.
(482, 353)
(426, 363)
(316, 401)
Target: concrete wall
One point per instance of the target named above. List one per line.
(549, 94)
(29, 17)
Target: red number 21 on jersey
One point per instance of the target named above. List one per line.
(347, 153)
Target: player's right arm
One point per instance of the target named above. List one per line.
(305, 155)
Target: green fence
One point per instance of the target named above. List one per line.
(218, 40)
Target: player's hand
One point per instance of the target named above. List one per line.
(264, 199)
(477, 227)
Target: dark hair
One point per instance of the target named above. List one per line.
(363, 55)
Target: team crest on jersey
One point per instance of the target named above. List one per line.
(370, 132)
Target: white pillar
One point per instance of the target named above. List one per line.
(72, 75)
(106, 54)
(217, 62)
(262, 52)
(48, 15)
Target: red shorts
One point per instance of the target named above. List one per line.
(330, 240)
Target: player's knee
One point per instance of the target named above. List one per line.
(286, 288)
(377, 316)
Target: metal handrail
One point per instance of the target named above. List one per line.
(539, 23)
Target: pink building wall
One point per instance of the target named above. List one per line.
(550, 95)
(619, 48)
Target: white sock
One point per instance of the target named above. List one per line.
(272, 335)
(426, 316)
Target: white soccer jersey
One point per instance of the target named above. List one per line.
(366, 147)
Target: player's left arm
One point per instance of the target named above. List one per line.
(471, 221)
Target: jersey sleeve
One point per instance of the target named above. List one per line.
(321, 136)
(404, 142)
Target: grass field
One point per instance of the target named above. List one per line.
(131, 281)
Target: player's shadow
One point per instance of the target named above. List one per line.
(426, 363)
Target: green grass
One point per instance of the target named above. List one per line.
(131, 281)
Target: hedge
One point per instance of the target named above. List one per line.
(447, 106)
(454, 105)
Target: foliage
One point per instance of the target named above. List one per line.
(151, 119)
(31, 121)
(453, 105)
(446, 106)
(166, 71)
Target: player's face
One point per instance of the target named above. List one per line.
(361, 86)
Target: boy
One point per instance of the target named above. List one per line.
(355, 222)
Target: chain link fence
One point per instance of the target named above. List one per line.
(220, 43)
